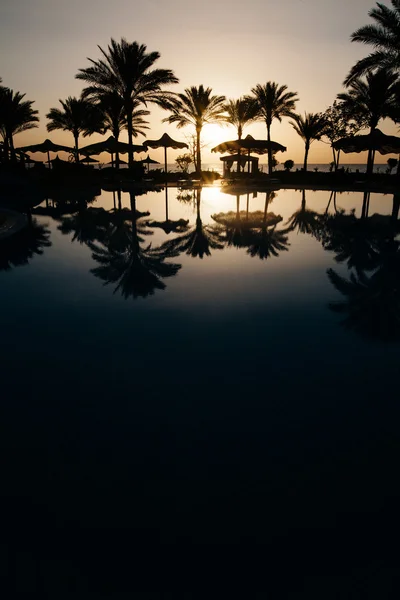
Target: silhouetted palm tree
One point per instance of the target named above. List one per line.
(310, 127)
(16, 116)
(383, 36)
(240, 113)
(372, 303)
(199, 240)
(18, 249)
(126, 68)
(305, 220)
(77, 115)
(273, 102)
(197, 106)
(136, 271)
(113, 110)
(371, 100)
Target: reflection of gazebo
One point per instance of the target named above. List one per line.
(243, 160)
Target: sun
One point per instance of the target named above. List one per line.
(214, 134)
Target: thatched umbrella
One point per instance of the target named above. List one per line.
(165, 142)
(46, 147)
(88, 159)
(112, 146)
(251, 145)
(149, 161)
(371, 142)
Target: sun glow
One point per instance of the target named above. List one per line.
(212, 135)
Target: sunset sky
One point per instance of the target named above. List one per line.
(229, 46)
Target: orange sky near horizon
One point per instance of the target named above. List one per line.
(228, 46)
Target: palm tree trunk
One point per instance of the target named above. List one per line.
(129, 110)
(269, 149)
(12, 149)
(371, 155)
(307, 148)
(76, 137)
(6, 149)
(198, 151)
(239, 131)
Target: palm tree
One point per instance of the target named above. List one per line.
(114, 117)
(78, 115)
(240, 113)
(273, 102)
(310, 127)
(16, 116)
(126, 68)
(197, 106)
(370, 100)
(384, 37)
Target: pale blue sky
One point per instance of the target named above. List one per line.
(227, 45)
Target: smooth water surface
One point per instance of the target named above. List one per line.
(183, 382)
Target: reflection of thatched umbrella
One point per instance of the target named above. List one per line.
(165, 142)
(251, 145)
(372, 142)
(46, 147)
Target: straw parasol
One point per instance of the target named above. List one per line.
(46, 147)
(149, 161)
(371, 142)
(88, 159)
(112, 146)
(165, 141)
(250, 144)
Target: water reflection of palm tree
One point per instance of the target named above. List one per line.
(18, 249)
(354, 241)
(372, 300)
(372, 303)
(87, 225)
(305, 220)
(199, 240)
(267, 241)
(135, 270)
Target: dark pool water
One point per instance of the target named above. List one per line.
(187, 405)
